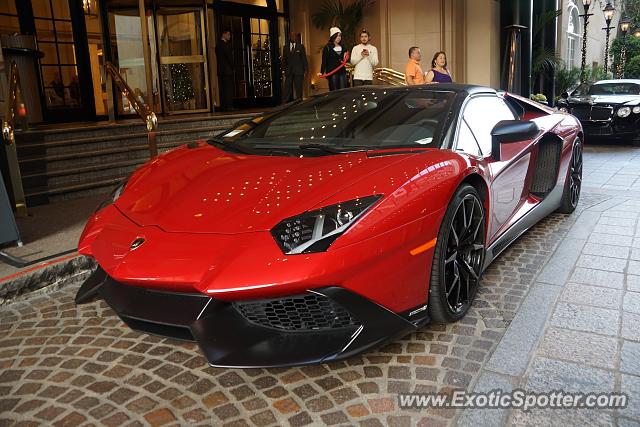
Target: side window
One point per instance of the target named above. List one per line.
(466, 141)
(482, 114)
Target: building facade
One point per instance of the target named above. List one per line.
(570, 32)
(165, 49)
(467, 30)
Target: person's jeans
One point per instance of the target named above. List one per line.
(337, 81)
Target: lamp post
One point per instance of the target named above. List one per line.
(585, 15)
(625, 23)
(608, 16)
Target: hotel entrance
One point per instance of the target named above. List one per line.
(163, 49)
(172, 75)
(258, 31)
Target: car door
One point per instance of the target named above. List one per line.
(507, 176)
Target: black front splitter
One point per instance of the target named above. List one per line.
(227, 339)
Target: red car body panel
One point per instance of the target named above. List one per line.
(248, 264)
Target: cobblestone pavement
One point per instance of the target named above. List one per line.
(539, 322)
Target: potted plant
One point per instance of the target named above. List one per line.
(540, 98)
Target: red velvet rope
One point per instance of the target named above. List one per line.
(342, 65)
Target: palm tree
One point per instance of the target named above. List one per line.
(332, 13)
(544, 60)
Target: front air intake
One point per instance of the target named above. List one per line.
(297, 313)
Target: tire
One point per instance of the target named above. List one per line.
(573, 183)
(458, 258)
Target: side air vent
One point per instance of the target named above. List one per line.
(546, 167)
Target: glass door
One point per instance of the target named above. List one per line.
(128, 55)
(64, 69)
(261, 56)
(253, 59)
(183, 65)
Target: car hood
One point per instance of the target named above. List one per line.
(605, 100)
(206, 190)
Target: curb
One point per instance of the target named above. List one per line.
(57, 272)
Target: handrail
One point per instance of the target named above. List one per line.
(8, 135)
(389, 75)
(143, 110)
(12, 104)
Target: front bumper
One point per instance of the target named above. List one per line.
(614, 129)
(231, 337)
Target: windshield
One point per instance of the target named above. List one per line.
(366, 119)
(607, 89)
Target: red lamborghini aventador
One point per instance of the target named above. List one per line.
(328, 227)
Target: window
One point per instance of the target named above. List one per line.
(482, 114)
(58, 67)
(8, 17)
(573, 34)
(466, 141)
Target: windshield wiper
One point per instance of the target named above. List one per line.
(216, 140)
(327, 148)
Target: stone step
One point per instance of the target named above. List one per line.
(214, 129)
(83, 169)
(38, 150)
(60, 162)
(88, 130)
(82, 159)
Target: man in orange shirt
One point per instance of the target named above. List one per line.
(413, 74)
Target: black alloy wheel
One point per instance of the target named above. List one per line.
(459, 257)
(573, 185)
(575, 173)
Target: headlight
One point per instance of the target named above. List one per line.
(636, 109)
(114, 195)
(624, 112)
(563, 109)
(314, 231)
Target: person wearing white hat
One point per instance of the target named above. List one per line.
(333, 60)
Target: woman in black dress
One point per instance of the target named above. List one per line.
(333, 54)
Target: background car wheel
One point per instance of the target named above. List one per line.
(458, 258)
(573, 184)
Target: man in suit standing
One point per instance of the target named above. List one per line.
(295, 66)
(224, 56)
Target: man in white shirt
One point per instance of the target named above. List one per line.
(364, 57)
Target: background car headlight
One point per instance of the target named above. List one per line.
(563, 109)
(636, 109)
(314, 231)
(624, 112)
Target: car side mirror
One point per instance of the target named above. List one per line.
(507, 131)
(564, 95)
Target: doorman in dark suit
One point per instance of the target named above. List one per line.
(295, 66)
(224, 57)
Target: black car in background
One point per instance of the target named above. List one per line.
(607, 109)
